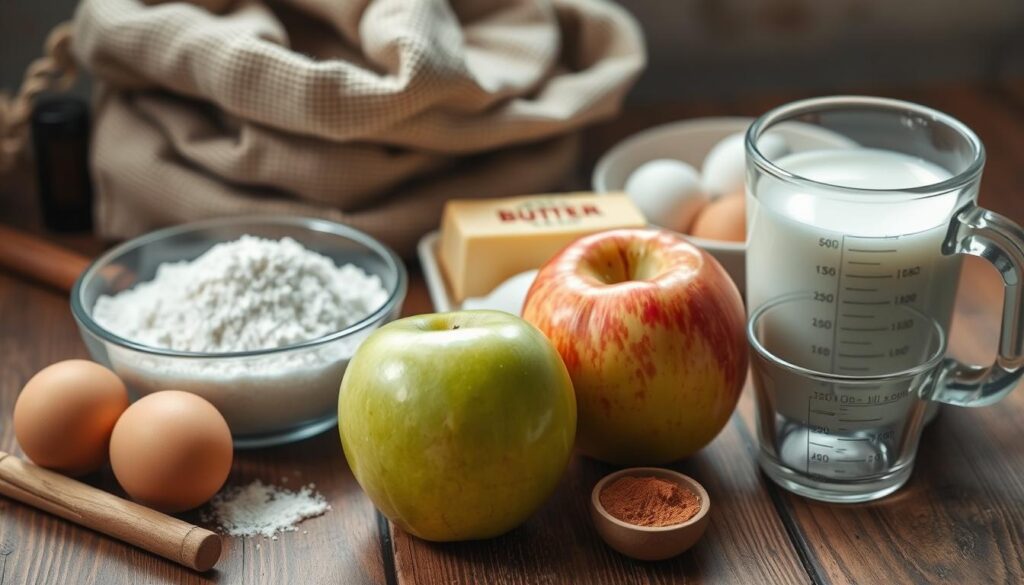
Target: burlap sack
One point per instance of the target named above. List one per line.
(368, 112)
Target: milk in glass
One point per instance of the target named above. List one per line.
(860, 256)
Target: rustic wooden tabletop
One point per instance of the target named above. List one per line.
(960, 519)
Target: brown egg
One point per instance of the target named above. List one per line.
(171, 451)
(65, 414)
(724, 219)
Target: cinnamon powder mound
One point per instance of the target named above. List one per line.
(649, 501)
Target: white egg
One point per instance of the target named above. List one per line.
(668, 193)
(724, 169)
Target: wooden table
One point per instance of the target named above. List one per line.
(959, 520)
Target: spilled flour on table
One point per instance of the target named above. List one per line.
(259, 509)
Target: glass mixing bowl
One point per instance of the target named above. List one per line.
(268, 397)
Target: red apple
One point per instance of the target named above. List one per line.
(651, 329)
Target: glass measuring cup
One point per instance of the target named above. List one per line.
(841, 437)
(868, 227)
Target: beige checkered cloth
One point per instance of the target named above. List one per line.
(368, 112)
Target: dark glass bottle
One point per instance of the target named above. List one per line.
(60, 137)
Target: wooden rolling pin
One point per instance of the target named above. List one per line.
(38, 259)
(72, 500)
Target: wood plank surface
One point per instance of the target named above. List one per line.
(745, 542)
(343, 546)
(959, 520)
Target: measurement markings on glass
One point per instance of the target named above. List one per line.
(893, 401)
(809, 435)
(835, 314)
(860, 308)
(846, 302)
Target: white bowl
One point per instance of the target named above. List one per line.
(690, 141)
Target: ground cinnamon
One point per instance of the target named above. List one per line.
(649, 501)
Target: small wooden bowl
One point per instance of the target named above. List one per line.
(648, 543)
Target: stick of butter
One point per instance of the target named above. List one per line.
(486, 241)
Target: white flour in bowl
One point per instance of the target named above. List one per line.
(249, 294)
(244, 295)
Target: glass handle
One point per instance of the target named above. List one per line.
(991, 236)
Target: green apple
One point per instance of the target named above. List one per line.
(458, 425)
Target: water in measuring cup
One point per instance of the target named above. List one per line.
(861, 258)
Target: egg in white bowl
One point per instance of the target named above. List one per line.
(725, 167)
(669, 190)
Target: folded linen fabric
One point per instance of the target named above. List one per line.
(372, 113)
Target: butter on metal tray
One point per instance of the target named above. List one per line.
(486, 241)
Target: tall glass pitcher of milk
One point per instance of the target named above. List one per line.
(870, 227)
